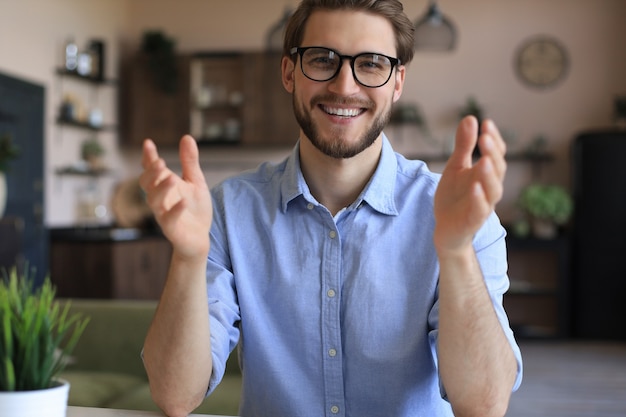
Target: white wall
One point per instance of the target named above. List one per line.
(32, 36)
(32, 33)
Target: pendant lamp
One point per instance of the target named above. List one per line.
(434, 31)
(276, 32)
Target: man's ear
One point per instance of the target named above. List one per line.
(288, 68)
(399, 85)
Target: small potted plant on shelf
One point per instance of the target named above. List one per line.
(548, 206)
(36, 339)
(92, 152)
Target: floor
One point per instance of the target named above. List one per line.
(571, 379)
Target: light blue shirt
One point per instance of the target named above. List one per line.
(337, 316)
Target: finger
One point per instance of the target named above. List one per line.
(149, 153)
(490, 128)
(153, 173)
(490, 182)
(465, 142)
(164, 195)
(190, 161)
(489, 149)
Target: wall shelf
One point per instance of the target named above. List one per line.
(84, 125)
(93, 80)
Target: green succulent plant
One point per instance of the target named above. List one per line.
(36, 334)
(549, 202)
(8, 151)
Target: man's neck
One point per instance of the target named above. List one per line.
(336, 183)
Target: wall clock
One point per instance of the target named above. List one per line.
(541, 62)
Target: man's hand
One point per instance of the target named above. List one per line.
(468, 191)
(181, 205)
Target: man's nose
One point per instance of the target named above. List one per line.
(344, 82)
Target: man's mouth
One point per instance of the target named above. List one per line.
(342, 112)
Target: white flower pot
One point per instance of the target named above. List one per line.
(51, 402)
(3, 193)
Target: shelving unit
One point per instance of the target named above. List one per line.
(83, 114)
(223, 98)
(73, 120)
(216, 111)
(538, 302)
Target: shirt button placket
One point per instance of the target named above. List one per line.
(333, 342)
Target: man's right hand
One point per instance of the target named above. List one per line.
(181, 204)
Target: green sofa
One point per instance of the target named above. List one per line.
(106, 370)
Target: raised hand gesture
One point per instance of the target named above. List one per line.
(469, 190)
(181, 204)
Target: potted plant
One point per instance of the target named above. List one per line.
(8, 151)
(92, 152)
(549, 206)
(36, 339)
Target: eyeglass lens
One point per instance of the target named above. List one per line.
(369, 69)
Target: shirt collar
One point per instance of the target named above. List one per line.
(379, 193)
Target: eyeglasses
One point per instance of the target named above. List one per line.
(368, 68)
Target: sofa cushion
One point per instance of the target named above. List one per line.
(97, 389)
(223, 401)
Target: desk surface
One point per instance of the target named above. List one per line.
(110, 412)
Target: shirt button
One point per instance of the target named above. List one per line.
(310, 206)
(332, 353)
(332, 234)
(331, 293)
(334, 409)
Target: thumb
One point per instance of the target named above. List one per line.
(465, 142)
(190, 160)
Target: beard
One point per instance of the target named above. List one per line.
(337, 146)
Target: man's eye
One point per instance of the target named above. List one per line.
(321, 61)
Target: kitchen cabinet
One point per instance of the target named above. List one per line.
(148, 111)
(223, 98)
(108, 263)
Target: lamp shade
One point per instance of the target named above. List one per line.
(434, 31)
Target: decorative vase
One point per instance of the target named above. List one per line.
(51, 402)
(3, 193)
(544, 229)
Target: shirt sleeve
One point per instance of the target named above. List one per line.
(224, 314)
(490, 247)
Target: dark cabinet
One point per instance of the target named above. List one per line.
(538, 302)
(599, 244)
(105, 268)
(150, 111)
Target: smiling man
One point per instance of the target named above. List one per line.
(355, 282)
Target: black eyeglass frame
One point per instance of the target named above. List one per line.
(300, 50)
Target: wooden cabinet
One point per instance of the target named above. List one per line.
(104, 268)
(537, 302)
(148, 111)
(222, 99)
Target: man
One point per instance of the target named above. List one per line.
(356, 283)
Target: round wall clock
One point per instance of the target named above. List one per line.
(541, 62)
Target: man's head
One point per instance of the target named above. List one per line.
(392, 10)
(344, 62)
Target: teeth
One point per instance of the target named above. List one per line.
(342, 112)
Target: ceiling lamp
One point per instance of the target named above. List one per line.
(276, 32)
(434, 31)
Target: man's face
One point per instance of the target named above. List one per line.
(341, 117)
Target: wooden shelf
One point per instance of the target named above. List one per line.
(70, 170)
(84, 125)
(93, 80)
